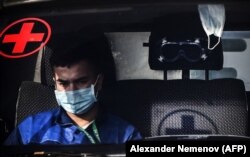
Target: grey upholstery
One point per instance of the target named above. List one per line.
(46, 71)
(159, 107)
(34, 97)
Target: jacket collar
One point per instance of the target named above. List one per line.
(62, 118)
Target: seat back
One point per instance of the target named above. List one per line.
(180, 107)
(186, 106)
(33, 97)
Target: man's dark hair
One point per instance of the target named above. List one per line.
(78, 50)
(90, 45)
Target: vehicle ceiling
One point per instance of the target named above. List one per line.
(119, 15)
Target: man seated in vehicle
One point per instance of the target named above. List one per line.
(78, 76)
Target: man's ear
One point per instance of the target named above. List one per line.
(54, 79)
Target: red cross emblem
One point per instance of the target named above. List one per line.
(31, 34)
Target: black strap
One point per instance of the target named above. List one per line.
(165, 75)
(206, 74)
(185, 74)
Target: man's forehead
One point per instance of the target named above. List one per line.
(72, 73)
(65, 75)
(72, 79)
(83, 65)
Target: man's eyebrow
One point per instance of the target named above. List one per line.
(61, 80)
(78, 79)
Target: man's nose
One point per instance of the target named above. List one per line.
(72, 87)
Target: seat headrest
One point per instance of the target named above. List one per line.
(178, 42)
(46, 71)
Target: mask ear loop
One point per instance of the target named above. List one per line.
(55, 83)
(208, 46)
(97, 92)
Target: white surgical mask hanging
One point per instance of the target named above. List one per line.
(213, 20)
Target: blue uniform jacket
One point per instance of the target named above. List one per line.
(55, 127)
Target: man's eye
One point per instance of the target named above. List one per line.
(63, 83)
(82, 81)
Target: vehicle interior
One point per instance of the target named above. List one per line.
(163, 75)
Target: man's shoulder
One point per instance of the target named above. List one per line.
(121, 126)
(41, 116)
(50, 112)
(114, 119)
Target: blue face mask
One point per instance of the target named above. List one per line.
(77, 101)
